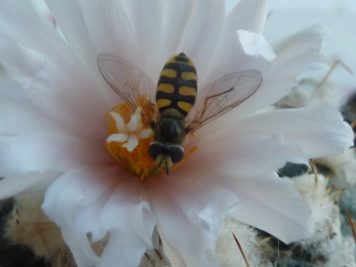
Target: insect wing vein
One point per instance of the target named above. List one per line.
(223, 95)
(127, 80)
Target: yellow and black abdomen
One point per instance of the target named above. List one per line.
(177, 87)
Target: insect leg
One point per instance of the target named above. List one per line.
(331, 70)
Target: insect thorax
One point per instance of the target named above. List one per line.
(170, 130)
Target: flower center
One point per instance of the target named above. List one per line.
(130, 137)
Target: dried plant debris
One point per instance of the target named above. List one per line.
(291, 169)
(155, 256)
(349, 113)
(227, 250)
(13, 254)
(28, 238)
(327, 247)
(348, 208)
(349, 109)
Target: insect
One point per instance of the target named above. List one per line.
(181, 110)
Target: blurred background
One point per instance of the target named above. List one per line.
(338, 16)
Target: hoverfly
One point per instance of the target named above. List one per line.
(181, 110)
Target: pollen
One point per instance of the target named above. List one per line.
(129, 138)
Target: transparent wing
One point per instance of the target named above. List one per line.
(223, 95)
(127, 80)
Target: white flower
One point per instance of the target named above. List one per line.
(52, 105)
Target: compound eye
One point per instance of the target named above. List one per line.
(176, 153)
(155, 149)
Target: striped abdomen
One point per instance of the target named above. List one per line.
(177, 87)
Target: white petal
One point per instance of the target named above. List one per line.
(70, 20)
(73, 201)
(102, 201)
(274, 206)
(318, 130)
(245, 154)
(186, 236)
(204, 31)
(131, 143)
(119, 121)
(112, 29)
(191, 213)
(121, 137)
(225, 55)
(255, 45)
(79, 247)
(18, 116)
(146, 22)
(47, 152)
(146, 133)
(131, 228)
(293, 56)
(125, 248)
(22, 22)
(194, 28)
(14, 184)
(15, 66)
(241, 16)
(172, 31)
(56, 88)
(233, 57)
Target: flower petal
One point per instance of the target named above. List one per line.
(244, 154)
(191, 215)
(14, 184)
(30, 28)
(241, 16)
(70, 20)
(55, 89)
(47, 152)
(255, 45)
(129, 218)
(181, 234)
(18, 116)
(204, 27)
(318, 130)
(101, 201)
(272, 205)
(172, 32)
(292, 56)
(108, 24)
(64, 198)
(229, 56)
(238, 55)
